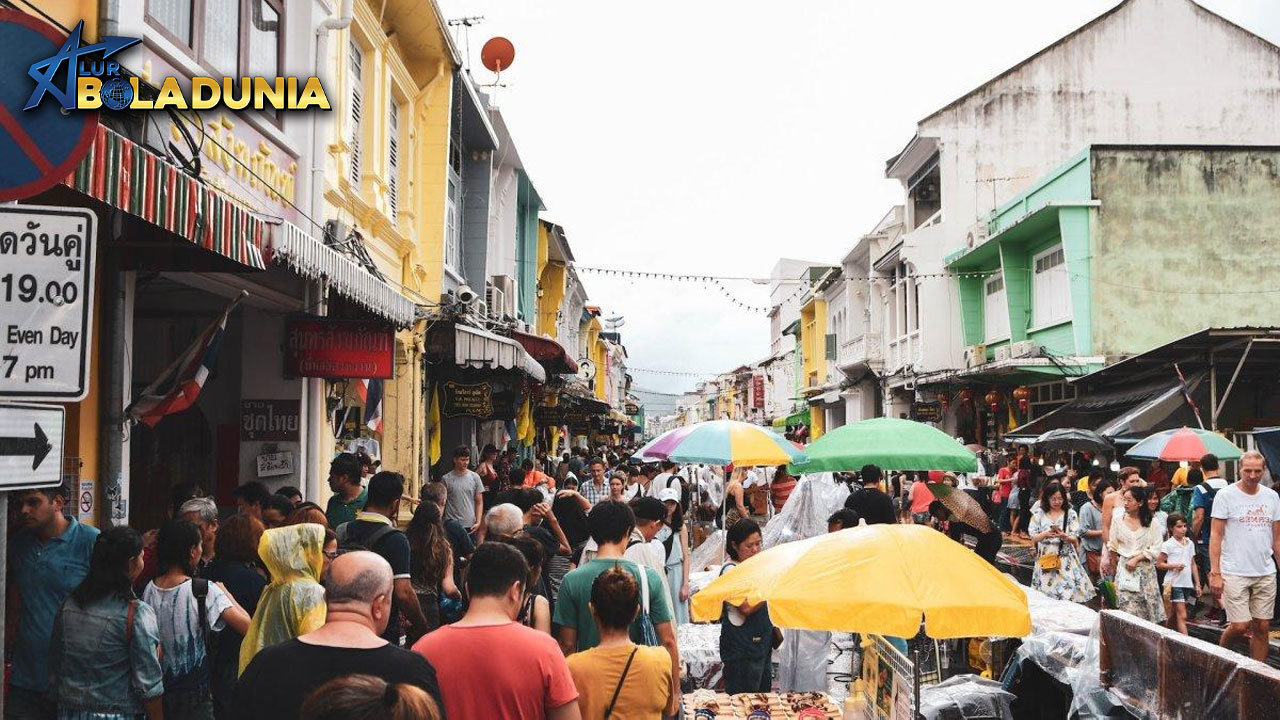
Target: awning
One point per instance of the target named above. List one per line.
(128, 177)
(796, 418)
(481, 349)
(551, 354)
(290, 245)
(1126, 412)
(1016, 371)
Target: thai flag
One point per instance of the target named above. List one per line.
(179, 385)
(370, 392)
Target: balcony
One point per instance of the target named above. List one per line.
(862, 350)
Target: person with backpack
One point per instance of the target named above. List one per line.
(374, 530)
(187, 610)
(104, 659)
(293, 604)
(1202, 498)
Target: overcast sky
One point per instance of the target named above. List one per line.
(716, 136)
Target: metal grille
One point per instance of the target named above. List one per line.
(393, 160)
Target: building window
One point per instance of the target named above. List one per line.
(1052, 288)
(995, 310)
(393, 159)
(924, 192)
(453, 222)
(906, 301)
(355, 61)
(229, 37)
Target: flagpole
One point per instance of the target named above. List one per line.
(173, 366)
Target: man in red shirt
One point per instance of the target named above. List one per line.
(490, 667)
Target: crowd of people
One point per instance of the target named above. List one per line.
(547, 588)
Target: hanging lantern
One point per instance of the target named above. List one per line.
(966, 396)
(944, 399)
(1023, 396)
(993, 399)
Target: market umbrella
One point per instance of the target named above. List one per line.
(891, 443)
(721, 442)
(876, 579)
(1073, 439)
(963, 506)
(1185, 443)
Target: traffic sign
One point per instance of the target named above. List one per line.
(40, 147)
(30, 445)
(46, 301)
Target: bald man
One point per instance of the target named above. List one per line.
(358, 590)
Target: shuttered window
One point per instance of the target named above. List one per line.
(1052, 288)
(995, 310)
(393, 160)
(356, 81)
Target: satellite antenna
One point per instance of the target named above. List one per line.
(497, 55)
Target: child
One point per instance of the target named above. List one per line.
(1177, 558)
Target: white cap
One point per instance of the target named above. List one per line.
(671, 494)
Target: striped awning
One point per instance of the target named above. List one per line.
(126, 176)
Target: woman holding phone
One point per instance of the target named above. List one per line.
(1055, 530)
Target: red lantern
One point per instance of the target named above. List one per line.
(993, 399)
(1023, 396)
(944, 399)
(966, 396)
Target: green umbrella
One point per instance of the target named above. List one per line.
(891, 443)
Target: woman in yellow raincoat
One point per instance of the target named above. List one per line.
(293, 604)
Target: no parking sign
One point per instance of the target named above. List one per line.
(39, 147)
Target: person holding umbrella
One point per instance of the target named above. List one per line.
(988, 541)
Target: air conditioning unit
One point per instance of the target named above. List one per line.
(975, 355)
(1001, 353)
(482, 309)
(508, 287)
(496, 300)
(1023, 348)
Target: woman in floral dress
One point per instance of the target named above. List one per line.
(1055, 529)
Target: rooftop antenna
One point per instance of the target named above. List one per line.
(466, 23)
(497, 55)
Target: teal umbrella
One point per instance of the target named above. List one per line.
(890, 443)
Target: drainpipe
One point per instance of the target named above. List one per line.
(317, 295)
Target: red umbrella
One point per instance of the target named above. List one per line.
(1184, 444)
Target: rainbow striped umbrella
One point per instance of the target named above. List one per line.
(1184, 444)
(721, 442)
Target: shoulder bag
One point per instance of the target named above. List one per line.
(609, 708)
(648, 634)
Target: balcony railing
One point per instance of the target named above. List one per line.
(863, 348)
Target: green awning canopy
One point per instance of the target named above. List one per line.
(793, 419)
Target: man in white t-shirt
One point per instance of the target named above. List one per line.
(663, 480)
(1243, 542)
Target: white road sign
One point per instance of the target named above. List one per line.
(30, 445)
(46, 301)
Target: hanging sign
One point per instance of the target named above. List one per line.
(46, 301)
(30, 446)
(466, 399)
(270, 420)
(927, 411)
(321, 347)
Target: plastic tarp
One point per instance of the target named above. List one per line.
(802, 665)
(966, 697)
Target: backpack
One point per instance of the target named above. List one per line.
(200, 590)
(349, 544)
(1178, 500)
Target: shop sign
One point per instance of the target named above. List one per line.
(338, 349)
(270, 420)
(30, 445)
(46, 301)
(631, 408)
(757, 391)
(466, 400)
(273, 464)
(927, 411)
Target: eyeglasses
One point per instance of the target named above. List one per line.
(332, 554)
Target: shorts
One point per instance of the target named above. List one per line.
(1248, 598)
(1182, 595)
(1014, 498)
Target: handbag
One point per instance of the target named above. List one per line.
(1127, 580)
(1049, 563)
(609, 708)
(648, 635)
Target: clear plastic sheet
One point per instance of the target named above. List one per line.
(700, 652)
(966, 697)
(805, 515)
(709, 554)
(802, 660)
(1154, 672)
(1060, 654)
(1053, 615)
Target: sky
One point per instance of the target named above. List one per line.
(713, 137)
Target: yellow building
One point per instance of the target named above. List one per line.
(813, 353)
(387, 179)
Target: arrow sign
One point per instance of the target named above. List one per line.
(35, 447)
(31, 450)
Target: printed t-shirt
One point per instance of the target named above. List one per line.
(522, 681)
(1247, 540)
(575, 592)
(182, 647)
(645, 690)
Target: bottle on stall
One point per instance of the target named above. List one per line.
(855, 706)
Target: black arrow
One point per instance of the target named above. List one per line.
(38, 447)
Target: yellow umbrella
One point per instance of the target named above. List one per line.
(876, 579)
